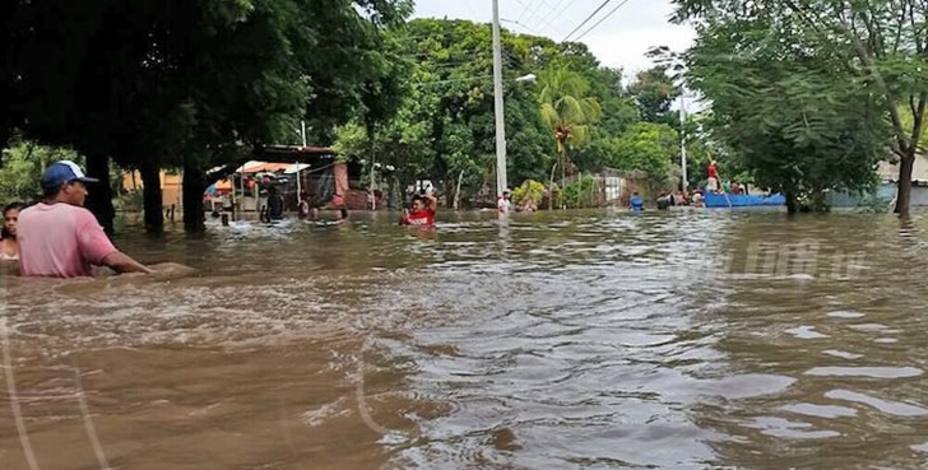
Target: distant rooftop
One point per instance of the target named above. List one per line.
(890, 172)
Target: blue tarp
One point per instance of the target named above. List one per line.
(733, 200)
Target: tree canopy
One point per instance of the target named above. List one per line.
(198, 84)
(191, 83)
(874, 50)
(443, 129)
(797, 125)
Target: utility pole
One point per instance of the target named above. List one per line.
(501, 177)
(683, 139)
(299, 189)
(303, 132)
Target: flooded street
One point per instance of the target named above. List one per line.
(592, 339)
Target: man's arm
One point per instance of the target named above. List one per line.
(433, 201)
(122, 263)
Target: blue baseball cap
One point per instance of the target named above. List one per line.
(63, 172)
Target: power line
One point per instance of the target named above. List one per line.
(525, 27)
(587, 20)
(525, 9)
(543, 17)
(556, 13)
(531, 10)
(612, 12)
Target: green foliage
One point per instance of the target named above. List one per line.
(131, 201)
(196, 83)
(872, 203)
(799, 126)
(444, 126)
(908, 122)
(21, 173)
(566, 109)
(846, 69)
(201, 84)
(351, 141)
(646, 148)
(654, 93)
(579, 193)
(530, 192)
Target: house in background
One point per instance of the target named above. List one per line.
(886, 191)
(889, 174)
(171, 186)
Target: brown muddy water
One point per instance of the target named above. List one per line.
(563, 340)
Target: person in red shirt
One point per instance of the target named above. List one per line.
(713, 176)
(422, 212)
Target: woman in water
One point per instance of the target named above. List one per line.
(9, 248)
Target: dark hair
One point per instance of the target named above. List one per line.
(51, 191)
(4, 233)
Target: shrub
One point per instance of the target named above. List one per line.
(580, 193)
(530, 192)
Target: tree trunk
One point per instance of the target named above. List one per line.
(194, 186)
(100, 199)
(792, 203)
(563, 178)
(904, 196)
(457, 191)
(151, 196)
(551, 188)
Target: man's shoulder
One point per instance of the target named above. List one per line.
(75, 212)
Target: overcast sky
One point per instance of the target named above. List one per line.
(620, 41)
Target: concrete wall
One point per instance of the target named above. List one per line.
(886, 192)
(171, 187)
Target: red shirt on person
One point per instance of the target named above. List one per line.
(713, 171)
(422, 217)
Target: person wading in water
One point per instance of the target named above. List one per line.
(9, 248)
(422, 211)
(59, 238)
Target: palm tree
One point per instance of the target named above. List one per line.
(566, 111)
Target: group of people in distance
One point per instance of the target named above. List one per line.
(715, 184)
(57, 237)
(696, 198)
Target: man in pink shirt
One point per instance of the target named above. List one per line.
(59, 238)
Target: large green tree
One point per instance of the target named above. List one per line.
(443, 129)
(654, 92)
(647, 148)
(186, 83)
(882, 45)
(800, 125)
